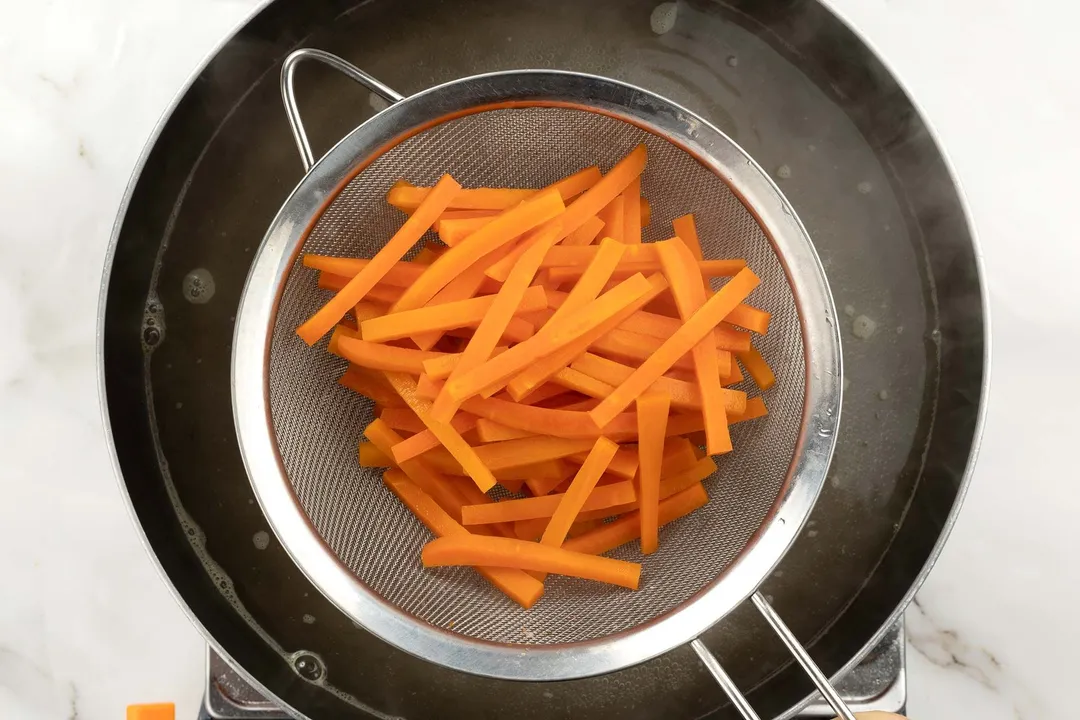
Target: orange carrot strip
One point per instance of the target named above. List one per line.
(427, 388)
(545, 393)
(601, 497)
(632, 212)
(686, 228)
(527, 452)
(533, 529)
(709, 268)
(366, 310)
(584, 384)
(682, 341)
(405, 386)
(586, 206)
(490, 329)
(370, 384)
(628, 527)
(624, 464)
(646, 212)
(669, 486)
(543, 486)
(524, 555)
(426, 256)
(468, 490)
(580, 488)
(463, 313)
(440, 368)
(757, 368)
(625, 344)
(426, 440)
(491, 431)
(755, 408)
(550, 339)
(410, 197)
(752, 318)
(430, 481)
(613, 216)
(464, 214)
(400, 274)
(689, 293)
(545, 421)
(518, 585)
(407, 236)
(585, 234)
(382, 357)
(679, 455)
(452, 231)
(574, 184)
(652, 417)
(371, 456)
(487, 239)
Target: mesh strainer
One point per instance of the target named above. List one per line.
(298, 428)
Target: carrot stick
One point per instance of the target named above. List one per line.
(452, 231)
(524, 555)
(427, 388)
(599, 266)
(750, 317)
(755, 408)
(382, 357)
(491, 327)
(533, 529)
(463, 313)
(487, 239)
(587, 205)
(686, 228)
(632, 212)
(624, 464)
(689, 293)
(603, 450)
(601, 497)
(464, 214)
(709, 268)
(518, 585)
(529, 451)
(679, 455)
(646, 212)
(427, 254)
(669, 486)
(426, 440)
(467, 489)
(400, 274)
(757, 368)
(652, 416)
(410, 197)
(682, 341)
(585, 234)
(546, 421)
(628, 527)
(417, 224)
(370, 384)
(440, 368)
(550, 339)
(405, 386)
(490, 431)
(367, 310)
(545, 394)
(582, 383)
(371, 456)
(576, 183)
(544, 486)
(613, 216)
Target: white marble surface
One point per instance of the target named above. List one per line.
(86, 627)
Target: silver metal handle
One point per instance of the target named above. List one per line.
(794, 647)
(288, 93)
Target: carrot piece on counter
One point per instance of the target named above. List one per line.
(495, 234)
(377, 356)
(752, 318)
(580, 488)
(689, 293)
(628, 527)
(550, 339)
(371, 456)
(518, 585)
(410, 232)
(686, 228)
(462, 313)
(400, 274)
(757, 368)
(613, 216)
(681, 342)
(604, 496)
(652, 415)
(523, 555)
(405, 386)
(755, 408)
(585, 234)
(632, 212)
(411, 197)
(587, 205)
(491, 431)
(491, 327)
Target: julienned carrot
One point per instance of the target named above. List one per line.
(498, 314)
(587, 205)
(551, 339)
(533, 529)
(679, 455)
(405, 386)
(523, 555)
(490, 431)
(418, 223)
(434, 484)
(492, 236)
(757, 368)
(755, 408)
(669, 486)
(539, 486)
(626, 344)
(382, 292)
(584, 384)
(652, 416)
(632, 212)
(462, 313)
(400, 274)
(689, 294)
(426, 440)
(528, 451)
(546, 394)
(518, 585)
(542, 370)
(682, 341)
(628, 527)
(684, 395)
(371, 384)
(752, 318)
(613, 217)
(566, 255)
(371, 456)
(605, 496)
(624, 464)
(452, 231)
(708, 268)
(377, 356)
(366, 310)
(409, 197)
(440, 368)
(686, 228)
(603, 450)
(467, 489)
(547, 421)
(585, 234)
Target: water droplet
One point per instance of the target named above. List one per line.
(812, 533)
(199, 286)
(783, 172)
(261, 540)
(883, 395)
(849, 310)
(899, 329)
(151, 336)
(663, 16)
(732, 61)
(863, 327)
(864, 187)
(308, 619)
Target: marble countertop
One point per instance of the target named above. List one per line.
(87, 627)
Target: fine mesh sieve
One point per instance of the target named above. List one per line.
(298, 428)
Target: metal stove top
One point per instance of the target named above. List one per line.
(878, 683)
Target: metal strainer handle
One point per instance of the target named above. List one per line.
(711, 663)
(288, 93)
